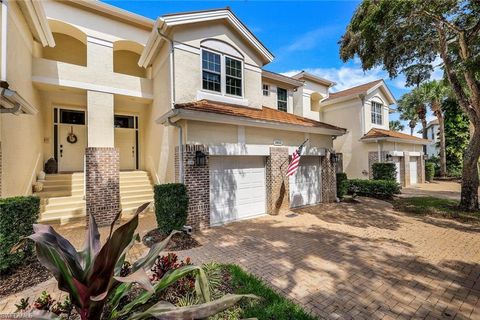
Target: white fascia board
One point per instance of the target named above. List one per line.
(386, 90)
(170, 21)
(38, 20)
(179, 114)
(375, 140)
(309, 151)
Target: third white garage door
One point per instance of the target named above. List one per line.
(305, 184)
(413, 172)
(237, 188)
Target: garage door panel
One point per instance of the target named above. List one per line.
(413, 172)
(237, 188)
(305, 185)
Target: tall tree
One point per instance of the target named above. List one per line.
(407, 36)
(435, 94)
(396, 125)
(456, 134)
(412, 108)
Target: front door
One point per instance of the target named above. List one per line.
(305, 184)
(71, 140)
(126, 138)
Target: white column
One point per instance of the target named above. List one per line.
(100, 119)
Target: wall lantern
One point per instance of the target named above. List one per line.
(333, 158)
(389, 157)
(200, 158)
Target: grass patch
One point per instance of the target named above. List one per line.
(272, 306)
(434, 206)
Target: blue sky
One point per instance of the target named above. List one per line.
(303, 35)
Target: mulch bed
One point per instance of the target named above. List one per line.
(179, 241)
(22, 277)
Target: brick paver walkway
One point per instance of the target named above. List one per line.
(353, 261)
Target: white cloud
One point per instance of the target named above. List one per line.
(345, 77)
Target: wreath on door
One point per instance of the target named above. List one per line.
(72, 138)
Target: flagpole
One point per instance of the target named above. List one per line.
(287, 158)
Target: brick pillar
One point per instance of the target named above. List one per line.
(402, 171)
(102, 181)
(277, 183)
(421, 169)
(1, 165)
(329, 179)
(197, 181)
(406, 170)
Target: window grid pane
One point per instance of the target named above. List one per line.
(266, 90)
(282, 99)
(233, 71)
(376, 114)
(211, 61)
(211, 81)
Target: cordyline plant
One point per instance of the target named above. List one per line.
(92, 278)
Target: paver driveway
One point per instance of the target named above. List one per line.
(350, 261)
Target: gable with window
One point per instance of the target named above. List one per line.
(282, 99)
(377, 113)
(222, 73)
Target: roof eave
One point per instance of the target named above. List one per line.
(181, 114)
(388, 93)
(390, 139)
(37, 20)
(170, 21)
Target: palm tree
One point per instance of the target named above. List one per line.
(435, 93)
(396, 125)
(408, 108)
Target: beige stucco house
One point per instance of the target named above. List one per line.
(122, 102)
(365, 111)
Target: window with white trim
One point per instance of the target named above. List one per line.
(222, 74)
(266, 90)
(377, 113)
(282, 99)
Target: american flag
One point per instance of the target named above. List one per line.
(294, 164)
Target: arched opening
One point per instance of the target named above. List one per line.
(125, 58)
(70, 44)
(315, 101)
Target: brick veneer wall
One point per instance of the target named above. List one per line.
(1, 164)
(421, 169)
(329, 179)
(197, 181)
(277, 183)
(102, 181)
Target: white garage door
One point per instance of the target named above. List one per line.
(305, 184)
(413, 172)
(237, 188)
(397, 168)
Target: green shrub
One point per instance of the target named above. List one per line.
(342, 184)
(429, 171)
(171, 206)
(384, 171)
(382, 189)
(17, 216)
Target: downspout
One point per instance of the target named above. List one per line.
(3, 48)
(172, 105)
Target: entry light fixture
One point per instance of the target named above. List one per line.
(334, 158)
(200, 158)
(389, 157)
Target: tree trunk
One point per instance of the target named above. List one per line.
(470, 181)
(424, 133)
(443, 154)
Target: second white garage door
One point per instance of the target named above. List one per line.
(237, 188)
(305, 185)
(413, 172)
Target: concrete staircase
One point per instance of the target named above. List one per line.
(62, 197)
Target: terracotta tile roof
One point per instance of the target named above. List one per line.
(381, 133)
(353, 91)
(264, 114)
(281, 78)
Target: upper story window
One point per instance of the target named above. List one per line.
(282, 99)
(221, 73)
(377, 113)
(266, 90)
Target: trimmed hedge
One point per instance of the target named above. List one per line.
(384, 171)
(171, 206)
(342, 184)
(381, 189)
(429, 171)
(17, 216)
